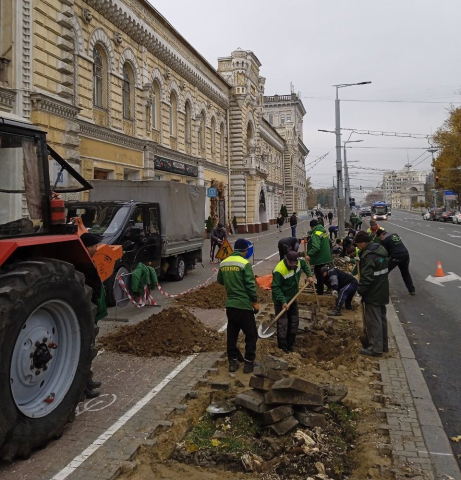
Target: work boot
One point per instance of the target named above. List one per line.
(89, 393)
(284, 349)
(233, 365)
(248, 367)
(335, 313)
(370, 353)
(412, 293)
(92, 385)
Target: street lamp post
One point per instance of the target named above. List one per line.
(347, 189)
(339, 165)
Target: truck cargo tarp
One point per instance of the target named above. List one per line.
(182, 207)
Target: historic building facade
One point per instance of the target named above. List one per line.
(403, 188)
(123, 95)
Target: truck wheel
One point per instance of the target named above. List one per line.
(180, 270)
(47, 336)
(113, 290)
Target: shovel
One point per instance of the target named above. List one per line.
(267, 329)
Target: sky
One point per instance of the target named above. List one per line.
(408, 49)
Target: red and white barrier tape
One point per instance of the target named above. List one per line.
(169, 295)
(143, 300)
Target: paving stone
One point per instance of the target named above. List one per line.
(298, 385)
(270, 373)
(253, 400)
(220, 385)
(276, 414)
(335, 393)
(261, 383)
(284, 426)
(291, 397)
(311, 419)
(276, 363)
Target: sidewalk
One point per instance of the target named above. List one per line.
(418, 443)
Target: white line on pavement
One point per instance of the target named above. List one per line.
(425, 235)
(102, 439)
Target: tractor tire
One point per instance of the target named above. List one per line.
(47, 336)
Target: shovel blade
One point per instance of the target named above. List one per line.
(265, 330)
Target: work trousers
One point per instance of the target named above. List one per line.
(404, 267)
(244, 320)
(334, 233)
(212, 250)
(346, 294)
(287, 325)
(376, 323)
(330, 220)
(293, 231)
(320, 280)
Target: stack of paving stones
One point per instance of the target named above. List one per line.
(283, 401)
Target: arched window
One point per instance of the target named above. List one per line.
(221, 141)
(188, 123)
(127, 92)
(155, 106)
(99, 78)
(202, 131)
(213, 136)
(173, 114)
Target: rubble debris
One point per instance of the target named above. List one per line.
(270, 373)
(283, 426)
(172, 332)
(310, 419)
(298, 384)
(220, 385)
(292, 397)
(270, 361)
(335, 393)
(261, 383)
(276, 414)
(220, 408)
(252, 462)
(252, 400)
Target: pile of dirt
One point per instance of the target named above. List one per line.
(173, 332)
(214, 296)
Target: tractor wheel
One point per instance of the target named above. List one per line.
(47, 334)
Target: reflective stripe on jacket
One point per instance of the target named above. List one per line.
(285, 281)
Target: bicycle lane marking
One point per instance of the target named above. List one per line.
(102, 439)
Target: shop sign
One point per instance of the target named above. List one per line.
(172, 166)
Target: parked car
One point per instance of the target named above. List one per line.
(447, 216)
(437, 214)
(427, 216)
(457, 218)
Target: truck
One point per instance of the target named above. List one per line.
(379, 211)
(47, 287)
(158, 223)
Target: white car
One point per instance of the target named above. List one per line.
(427, 216)
(457, 218)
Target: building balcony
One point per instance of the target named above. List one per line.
(256, 165)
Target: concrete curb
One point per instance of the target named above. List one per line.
(437, 443)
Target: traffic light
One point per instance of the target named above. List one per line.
(360, 187)
(436, 179)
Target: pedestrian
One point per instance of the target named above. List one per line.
(330, 217)
(373, 231)
(293, 224)
(91, 243)
(286, 245)
(333, 229)
(312, 213)
(236, 274)
(352, 220)
(374, 290)
(398, 257)
(321, 220)
(285, 284)
(280, 222)
(358, 222)
(344, 284)
(217, 236)
(318, 251)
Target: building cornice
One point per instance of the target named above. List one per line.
(271, 136)
(45, 103)
(141, 32)
(7, 98)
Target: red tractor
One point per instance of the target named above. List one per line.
(47, 284)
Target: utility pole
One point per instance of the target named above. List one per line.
(334, 197)
(347, 188)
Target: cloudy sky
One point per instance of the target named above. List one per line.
(409, 49)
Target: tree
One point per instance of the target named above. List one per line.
(311, 195)
(447, 165)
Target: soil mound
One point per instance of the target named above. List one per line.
(214, 296)
(173, 332)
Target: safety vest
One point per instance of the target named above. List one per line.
(285, 271)
(233, 261)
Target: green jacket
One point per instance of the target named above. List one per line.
(374, 281)
(285, 281)
(236, 274)
(374, 238)
(318, 246)
(143, 275)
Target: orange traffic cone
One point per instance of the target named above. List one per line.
(439, 271)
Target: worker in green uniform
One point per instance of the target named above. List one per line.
(285, 281)
(318, 251)
(373, 232)
(236, 274)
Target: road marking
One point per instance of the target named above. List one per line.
(102, 439)
(450, 277)
(425, 235)
(90, 405)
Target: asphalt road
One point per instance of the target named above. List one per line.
(432, 318)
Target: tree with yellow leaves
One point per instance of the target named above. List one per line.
(447, 166)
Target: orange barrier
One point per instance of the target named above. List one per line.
(265, 282)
